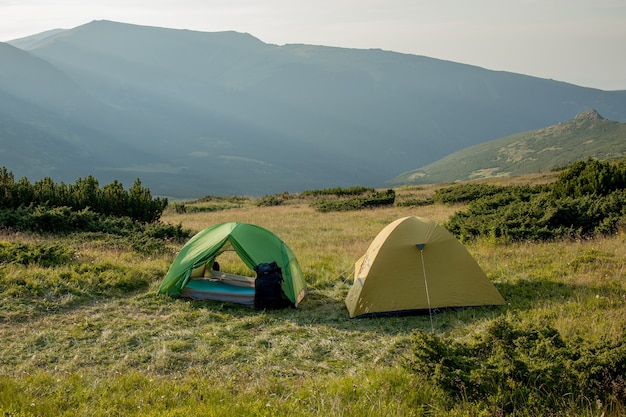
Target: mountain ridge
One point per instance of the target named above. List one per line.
(184, 109)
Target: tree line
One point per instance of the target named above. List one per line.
(112, 199)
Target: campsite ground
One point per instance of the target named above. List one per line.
(91, 337)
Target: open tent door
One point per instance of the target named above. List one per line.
(254, 245)
(388, 278)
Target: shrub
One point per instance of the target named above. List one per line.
(378, 199)
(46, 207)
(545, 212)
(112, 200)
(590, 178)
(511, 368)
(415, 202)
(62, 220)
(338, 191)
(270, 201)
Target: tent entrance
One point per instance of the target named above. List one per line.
(239, 248)
(230, 262)
(210, 281)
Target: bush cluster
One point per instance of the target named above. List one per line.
(272, 200)
(136, 203)
(509, 368)
(590, 177)
(144, 237)
(415, 202)
(588, 199)
(375, 199)
(338, 191)
(46, 207)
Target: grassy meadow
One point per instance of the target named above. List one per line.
(85, 334)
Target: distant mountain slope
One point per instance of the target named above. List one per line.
(588, 135)
(196, 113)
(49, 126)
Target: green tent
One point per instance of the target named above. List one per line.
(415, 264)
(191, 274)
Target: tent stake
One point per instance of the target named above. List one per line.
(430, 312)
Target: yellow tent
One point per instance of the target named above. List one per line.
(415, 264)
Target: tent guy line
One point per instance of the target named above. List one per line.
(420, 246)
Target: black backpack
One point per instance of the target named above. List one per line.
(268, 291)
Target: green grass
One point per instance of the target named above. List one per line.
(82, 332)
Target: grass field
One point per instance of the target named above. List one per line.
(88, 335)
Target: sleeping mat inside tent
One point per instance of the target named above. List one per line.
(204, 289)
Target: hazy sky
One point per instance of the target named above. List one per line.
(577, 41)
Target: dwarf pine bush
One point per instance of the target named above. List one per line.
(510, 367)
(587, 200)
(376, 199)
(590, 177)
(136, 203)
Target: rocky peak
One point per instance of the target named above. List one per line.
(590, 114)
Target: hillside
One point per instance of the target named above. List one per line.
(198, 113)
(50, 126)
(588, 135)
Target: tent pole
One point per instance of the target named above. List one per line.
(430, 312)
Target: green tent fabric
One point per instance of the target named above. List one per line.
(415, 264)
(253, 244)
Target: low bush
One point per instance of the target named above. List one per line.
(63, 220)
(377, 199)
(270, 201)
(338, 191)
(590, 177)
(567, 209)
(510, 368)
(415, 202)
(209, 204)
(111, 200)
(540, 218)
